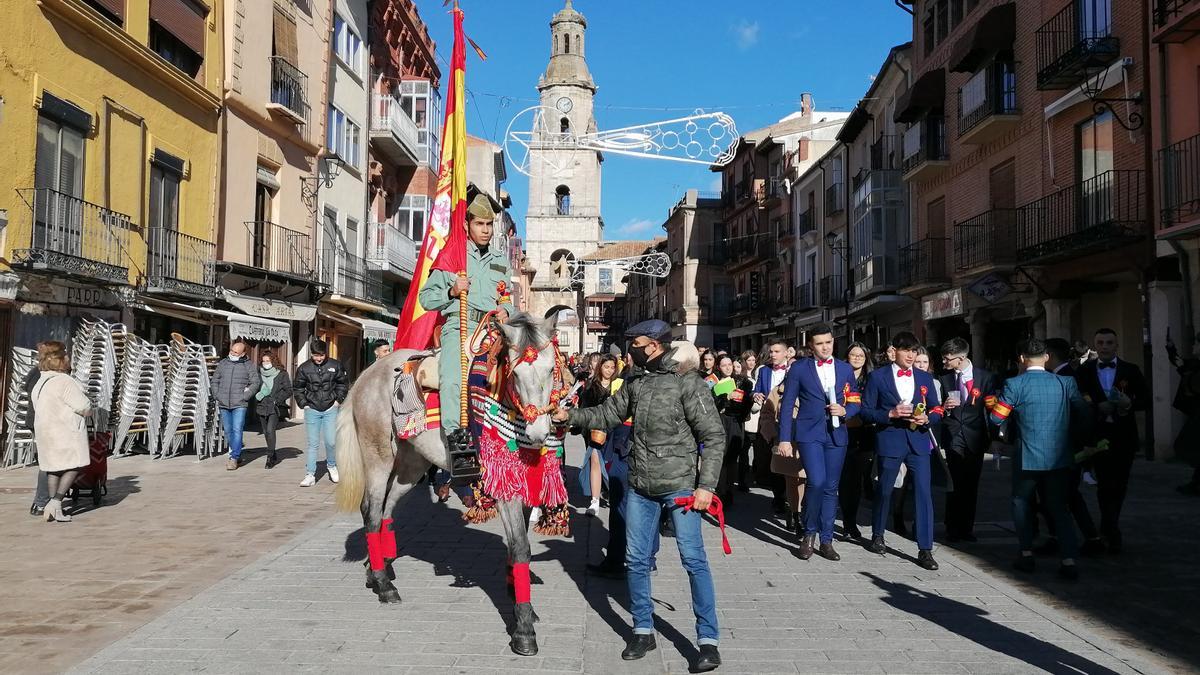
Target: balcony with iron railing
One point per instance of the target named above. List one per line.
(886, 152)
(987, 104)
(392, 251)
(279, 249)
(986, 241)
(351, 277)
(394, 132)
(1075, 40)
(835, 198)
(289, 90)
(805, 296)
(923, 265)
(1179, 180)
(179, 263)
(1176, 20)
(925, 152)
(66, 235)
(832, 291)
(1101, 213)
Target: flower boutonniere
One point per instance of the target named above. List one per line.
(924, 391)
(974, 396)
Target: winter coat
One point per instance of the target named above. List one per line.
(319, 387)
(60, 429)
(234, 383)
(280, 396)
(672, 409)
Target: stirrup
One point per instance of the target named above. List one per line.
(464, 458)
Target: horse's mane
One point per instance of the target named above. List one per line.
(523, 330)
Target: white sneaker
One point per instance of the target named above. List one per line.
(535, 514)
(309, 480)
(1089, 479)
(593, 509)
(333, 474)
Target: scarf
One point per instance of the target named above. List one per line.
(268, 382)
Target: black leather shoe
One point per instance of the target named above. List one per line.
(709, 659)
(35, 510)
(925, 559)
(806, 548)
(1092, 547)
(852, 532)
(877, 546)
(638, 647)
(272, 461)
(828, 553)
(606, 571)
(1025, 563)
(1068, 572)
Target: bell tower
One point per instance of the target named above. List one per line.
(564, 180)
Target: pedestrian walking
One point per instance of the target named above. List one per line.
(819, 394)
(860, 451)
(971, 391)
(592, 473)
(734, 399)
(901, 402)
(321, 386)
(272, 401)
(60, 428)
(671, 412)
(235, 381)
(1045, 409)
(41, 494)
(769, 378)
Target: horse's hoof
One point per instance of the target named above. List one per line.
(392, 596)
(524, 645)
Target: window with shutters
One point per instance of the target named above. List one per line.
(177, 31)
(58, 179)
(113, 10)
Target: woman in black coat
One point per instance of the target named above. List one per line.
(735, 407)
(856, 471)
(273, 400)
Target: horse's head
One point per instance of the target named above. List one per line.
(534, 369)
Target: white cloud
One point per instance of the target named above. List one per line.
(638, 227)
(746, 33)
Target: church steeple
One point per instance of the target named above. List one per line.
(568, 64)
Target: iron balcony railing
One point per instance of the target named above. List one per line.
(805, 296)
(923, 262)
(885, 152)
(392, 250)
(289, 87)
(805, 222)
(277, 248)
(1179, 177)
(1103, 212)
(1075, 39)
(991, 91)
(925, 141)
(835, 198)
(989, 238)
(68, 235)
(351, 276)
(179, 262)
(832, 291)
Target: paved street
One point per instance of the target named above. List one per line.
(191, 568)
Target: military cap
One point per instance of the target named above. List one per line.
(655, 329)
(481, 207)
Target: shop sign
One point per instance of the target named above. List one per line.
(991, 288)
(943, 304)
(260, 332)
(57, 291)
(271, 309)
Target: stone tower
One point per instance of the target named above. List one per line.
(564, 182)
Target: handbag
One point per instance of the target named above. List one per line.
(598, 436)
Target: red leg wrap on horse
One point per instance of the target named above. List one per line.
(521, 582)
(388, 539)
(375, 551)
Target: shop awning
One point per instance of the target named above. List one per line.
(994, 32)
(240, 325)
(927, 93)
(273, 309)
(372, 329)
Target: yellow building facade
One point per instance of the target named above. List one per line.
(110, 124)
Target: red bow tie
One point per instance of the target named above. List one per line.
(903, 373)
(783, 367)
(824, 362)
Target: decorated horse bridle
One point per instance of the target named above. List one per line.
(530, 354)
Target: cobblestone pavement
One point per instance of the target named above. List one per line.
(303, 607)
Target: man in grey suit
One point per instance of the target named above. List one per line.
(1044, 410)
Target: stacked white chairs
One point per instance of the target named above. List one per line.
(188, 407)
(95, 366)
(19, 448)
(140, 396)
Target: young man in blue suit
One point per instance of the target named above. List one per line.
(902, 402)
(825, 391)
(1048, 412)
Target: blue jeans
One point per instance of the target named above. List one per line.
(319, 423)
(641, 514)
(233, 420)
(823, 468)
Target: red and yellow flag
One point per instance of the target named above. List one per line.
(445, 243)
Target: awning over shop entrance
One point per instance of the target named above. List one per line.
(274, 309)
(371, 329)
(240, 325)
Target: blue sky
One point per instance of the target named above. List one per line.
(751, 59)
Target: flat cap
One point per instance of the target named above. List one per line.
(655, 329)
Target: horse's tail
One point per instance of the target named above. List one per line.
(350, 488)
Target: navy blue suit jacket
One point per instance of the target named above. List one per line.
(762, 383)
(811, 424)
(894, 438)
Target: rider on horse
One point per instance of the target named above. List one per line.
(485, 282)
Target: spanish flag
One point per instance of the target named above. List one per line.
(445, 244)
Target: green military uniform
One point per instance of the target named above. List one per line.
(486, 269)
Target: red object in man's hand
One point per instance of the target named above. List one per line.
(718, 512)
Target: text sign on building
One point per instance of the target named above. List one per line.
(943, 304)
(991, 288)
(272, 309)
(257, 331)
(66, 293)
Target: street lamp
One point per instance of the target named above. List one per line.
(1093, 88)
(843, 252)
(311, 185)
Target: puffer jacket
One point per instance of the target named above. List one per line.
(672, 410)
(234, 383)
(319, 387)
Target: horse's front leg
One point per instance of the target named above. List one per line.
(512, 515)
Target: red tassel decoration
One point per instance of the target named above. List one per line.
(387, 539)
(375, 551)
(521, 582)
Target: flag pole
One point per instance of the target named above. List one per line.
(463, 361)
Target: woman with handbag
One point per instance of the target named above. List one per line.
(602, 384)
(735, 397)
(59, 427)
(272, 401)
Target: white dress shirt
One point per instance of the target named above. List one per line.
(777, 375)
(827, 375)
(905, 386)
(1108, 376)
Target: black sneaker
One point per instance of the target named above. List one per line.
(638, 647)
(709, 659)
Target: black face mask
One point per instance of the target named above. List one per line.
(639, 356)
